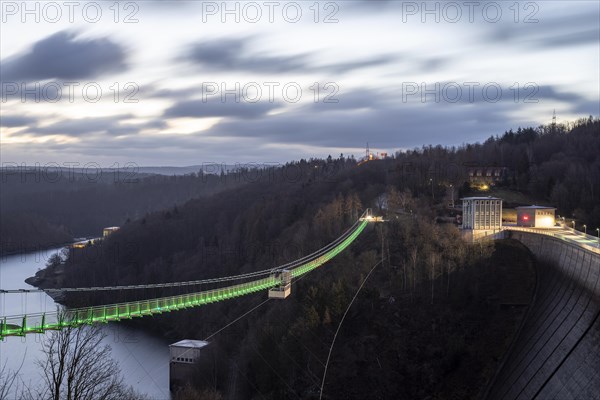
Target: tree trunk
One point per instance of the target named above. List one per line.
(448, 282)
(432, 281)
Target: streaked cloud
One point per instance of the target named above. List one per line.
(370, 56)
(64, 56)
(215, 107)
(82, 127)
(12, 121)
(235, 55)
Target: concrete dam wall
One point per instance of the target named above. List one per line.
(556, 354)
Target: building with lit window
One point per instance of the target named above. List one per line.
(489, 175)
(536, 216)
(482, 213)
(481, 217)
(107, 231)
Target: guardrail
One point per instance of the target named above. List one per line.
(559, 234)
(20, 325)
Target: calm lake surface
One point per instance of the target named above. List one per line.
(144, 359)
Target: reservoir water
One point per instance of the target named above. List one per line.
(144, 359)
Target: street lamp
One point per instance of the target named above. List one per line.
(584, 229)
(598, 230)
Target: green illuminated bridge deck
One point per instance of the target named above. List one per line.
(20, 325)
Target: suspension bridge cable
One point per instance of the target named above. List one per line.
(237, 319)
(20, 325)
(341, 322)
(248, 275)
(261, 283)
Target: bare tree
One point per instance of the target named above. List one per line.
(432, 261)
(414, 256)
(486, 247)
(405, 199)
(11, 383)
(78, 366)
(190, 393)
(8, 380)
(399, 201)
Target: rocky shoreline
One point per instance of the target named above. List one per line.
(49, 278)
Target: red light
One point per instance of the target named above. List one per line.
(525, 217)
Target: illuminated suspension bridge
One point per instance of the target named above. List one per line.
(276, 280)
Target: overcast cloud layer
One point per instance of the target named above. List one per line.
(181, 86)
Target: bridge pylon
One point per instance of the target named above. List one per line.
(368, 216)
(285, 287)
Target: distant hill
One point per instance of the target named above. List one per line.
(207, 168)
(82, 203)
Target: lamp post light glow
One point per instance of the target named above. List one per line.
(584, 229)
(598, 230)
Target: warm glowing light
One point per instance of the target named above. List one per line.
(545, 222)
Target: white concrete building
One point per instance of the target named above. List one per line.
(536, 216)
(482, 213)
(186, 351)
(183, 365)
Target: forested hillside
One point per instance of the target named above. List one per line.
(268, 222)
(429, 322)
(558, 164)
(48, 207)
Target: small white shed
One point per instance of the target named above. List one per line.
(186, 351)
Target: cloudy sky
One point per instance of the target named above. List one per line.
(183, 83)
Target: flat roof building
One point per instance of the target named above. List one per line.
(187, 350)
(536, 216)
(182, 366)
(482, 213)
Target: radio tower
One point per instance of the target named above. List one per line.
(553, 126)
